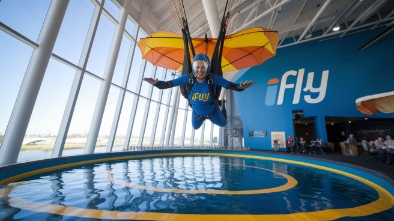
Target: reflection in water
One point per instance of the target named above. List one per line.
(57, 195)
(57, 186)
(6, 211)
(91, 193)
(112, 197)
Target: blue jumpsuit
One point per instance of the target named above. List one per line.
(202, 101)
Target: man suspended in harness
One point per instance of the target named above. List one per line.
(201, 89)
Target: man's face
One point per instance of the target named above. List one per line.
(200, 69)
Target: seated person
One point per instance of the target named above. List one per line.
(294, 146)
(371, 146)
(365, 145)
(381, 149)
(379, 144)
(313, 145)
(289, 142)
(389, 143)
(351, 139)
(317, 144)
(302, 143)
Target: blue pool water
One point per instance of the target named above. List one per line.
(188, 185)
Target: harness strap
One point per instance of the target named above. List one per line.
(189, 88)
(212, 89)
(208, 116)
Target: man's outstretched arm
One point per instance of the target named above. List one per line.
(241, 86)
(160, 84)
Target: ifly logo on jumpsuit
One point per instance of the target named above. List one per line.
(200, 97)
(273, 85)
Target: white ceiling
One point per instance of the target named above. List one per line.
(295, 20)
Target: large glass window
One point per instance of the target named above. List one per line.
(75, 26)
(149, 124)
(135, 71)
(108, 117)
(160, 124)
(14, 59)
(138, 121)
(130, 27)
(124, 120)
(83, 114)
(189, 129)
(112, 8)
(49, 108)
(145, 85)
(140, 35)
(101, 46)
(179, 127)
(121, 61)
(160, 74)
(207, 133)
(197, 136)
(183, 102)
(26, 17)
(215, 136)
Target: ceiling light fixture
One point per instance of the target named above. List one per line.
(336, 28)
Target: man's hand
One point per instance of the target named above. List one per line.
(151, 80)
(246, 84)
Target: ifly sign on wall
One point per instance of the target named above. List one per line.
(276, 88)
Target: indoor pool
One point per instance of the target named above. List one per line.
(196, 185)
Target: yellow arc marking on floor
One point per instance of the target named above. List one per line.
(291, 182)
(384, 202)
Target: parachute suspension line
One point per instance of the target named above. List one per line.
(186, 28)
(175, 12)
(233, 10)
(217, 52)
(180, 12)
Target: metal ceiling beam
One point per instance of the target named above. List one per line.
(321, 10)
(262, 15)
(273, 17)
(253, 11)
(336, 33)
(249, 6)
(387, 16)
(245, 6)
(371, 10)
(348, 10)
(299, 12)
(365, 14)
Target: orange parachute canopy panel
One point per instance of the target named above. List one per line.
(372, 104)
(243, 49)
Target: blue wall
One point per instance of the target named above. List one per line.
(350, 74)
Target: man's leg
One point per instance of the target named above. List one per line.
(196, 122)
(218, 118)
